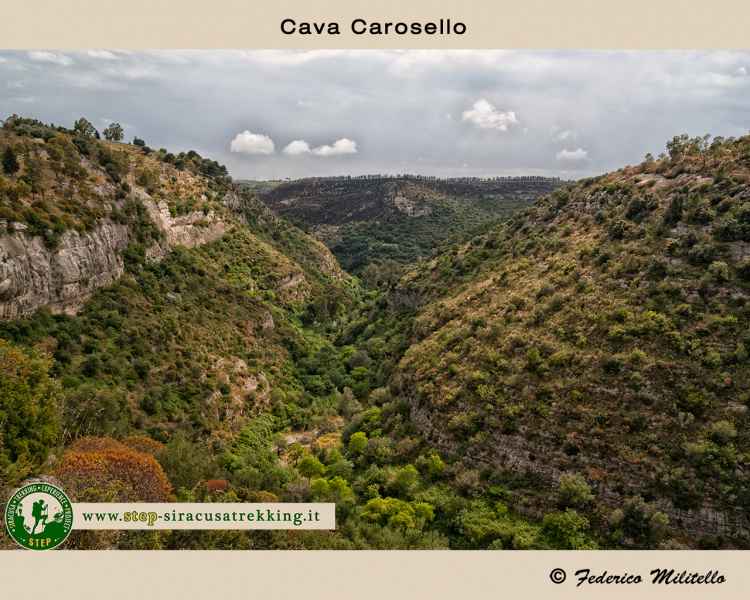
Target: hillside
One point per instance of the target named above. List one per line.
(574, 376)
(600, 337)
(151, 297)
(374, 219)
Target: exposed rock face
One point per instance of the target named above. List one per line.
(248, 390)
(33, 276)
(190, 230)
(410, 207)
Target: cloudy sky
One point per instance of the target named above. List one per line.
(275, 114)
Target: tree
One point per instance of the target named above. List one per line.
(84, 128)
(114, 133)
(358, 443)
(431, 465)
(186, 463)
(10, 162)
(567, 531)
(405, 480)
(641, 523)
(310, 466)
(103, 469)
(29, 411)
(139, 142)
(573, 492)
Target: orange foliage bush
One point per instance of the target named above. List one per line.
(143, 443)
(96, 444)
(217, 485)
(105, 470)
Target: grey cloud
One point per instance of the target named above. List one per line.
(614, 106)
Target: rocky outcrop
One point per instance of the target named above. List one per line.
(410, 207)
(33, 276)
(190, 230)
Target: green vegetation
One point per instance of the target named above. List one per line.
(404, 240)
(575, 376)
(29, 411)
(56, 179)
(376, 221)
(601, 333)
(114, 132)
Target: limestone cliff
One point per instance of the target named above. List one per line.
(33, 276)
(190, 230)
(74, 204)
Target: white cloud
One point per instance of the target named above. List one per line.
(741, 72)
(485, 116)
(252, 143)
(339, 147)
(572, 156)
(51, 57)
(562, 134)
(103, 54)
(296, 148)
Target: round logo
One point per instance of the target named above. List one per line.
(39, 516)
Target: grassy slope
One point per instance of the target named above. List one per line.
(66, 181)
(602, 332)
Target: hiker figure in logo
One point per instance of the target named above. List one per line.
(39, 512)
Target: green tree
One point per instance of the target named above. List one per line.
(33, 175)
(567, 531)
(187, 463)
(573, 492)
(310, 466)
(10, 162)
(405, 480)
(431, 465)
(29, 411)
(114, 133)
(358, 443)
(84, 128)
(640, 522)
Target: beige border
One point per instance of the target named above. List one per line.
(687, 24)
(327, 575)
(363, 575)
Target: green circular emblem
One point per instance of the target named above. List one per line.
(39, 516)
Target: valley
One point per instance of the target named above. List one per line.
(371, 220)
(504, 363)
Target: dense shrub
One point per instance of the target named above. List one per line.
(29, 411)
(105, 470)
